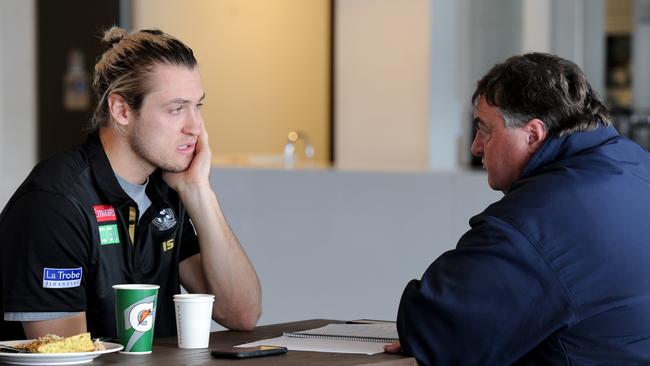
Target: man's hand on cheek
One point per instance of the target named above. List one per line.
(197, 174)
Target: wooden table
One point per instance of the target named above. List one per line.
(166, 352)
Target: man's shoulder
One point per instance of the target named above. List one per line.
(54, 181)
(535, 205)
(571, 194)
(59, 173)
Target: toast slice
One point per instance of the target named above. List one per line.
(56, 344)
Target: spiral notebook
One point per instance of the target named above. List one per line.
(338, 338)
(379, 333)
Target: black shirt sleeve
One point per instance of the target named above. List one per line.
(45, 254)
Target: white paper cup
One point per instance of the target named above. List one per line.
(193, 319)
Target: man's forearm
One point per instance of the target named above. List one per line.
(64, 327)
(226, 270)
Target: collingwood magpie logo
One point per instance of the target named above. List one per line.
(165, 219)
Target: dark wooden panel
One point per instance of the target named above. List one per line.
(64, 25)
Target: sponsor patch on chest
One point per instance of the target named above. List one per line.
(104, 213)
(108, 234)
(62, 277)
(165, 219)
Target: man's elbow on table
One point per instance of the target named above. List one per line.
(241, 320)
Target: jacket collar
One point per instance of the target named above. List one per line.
(558, 148)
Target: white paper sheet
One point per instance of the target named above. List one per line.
(320, 345)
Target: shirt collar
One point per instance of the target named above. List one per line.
(157, 190)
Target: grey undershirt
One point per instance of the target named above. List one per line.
(137, 192)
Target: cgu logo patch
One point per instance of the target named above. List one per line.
(104, 213)
(108, 234)
(165, 219)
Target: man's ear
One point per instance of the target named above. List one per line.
(119, 109)
(537, 133)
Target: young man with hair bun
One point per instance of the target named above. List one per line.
(133, 204)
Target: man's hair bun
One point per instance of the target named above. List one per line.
(114, 35)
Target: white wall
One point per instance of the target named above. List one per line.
(536, 25)
(641, 56)
(343, 245)
(17, 94)
(448, 105)
(578, 34)
(382, 78)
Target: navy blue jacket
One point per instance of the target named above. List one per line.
(555, 273)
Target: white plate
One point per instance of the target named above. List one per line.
(74, 358)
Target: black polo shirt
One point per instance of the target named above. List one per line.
(70, 233)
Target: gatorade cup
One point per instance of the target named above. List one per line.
(135, 310)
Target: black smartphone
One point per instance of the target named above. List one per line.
(248, 352)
